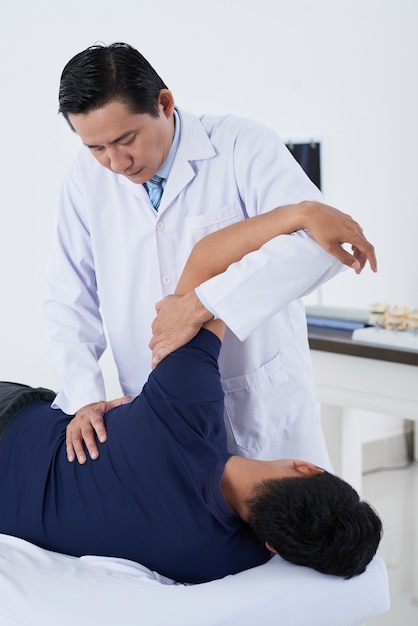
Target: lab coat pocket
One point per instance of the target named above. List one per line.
(260, 405)
(201, 225)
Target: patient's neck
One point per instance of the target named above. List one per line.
(239, 480)
(241, 476)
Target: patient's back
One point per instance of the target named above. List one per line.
(153, 495)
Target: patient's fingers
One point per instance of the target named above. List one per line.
(332, 229)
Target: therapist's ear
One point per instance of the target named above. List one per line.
(166, 102)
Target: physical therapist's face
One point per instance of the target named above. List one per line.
(132, 144)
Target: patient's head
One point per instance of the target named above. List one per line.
(318, 521)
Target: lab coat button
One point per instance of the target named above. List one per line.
(160, 225)
(166, 280)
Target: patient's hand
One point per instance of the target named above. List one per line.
(331, 229)
(88, 423)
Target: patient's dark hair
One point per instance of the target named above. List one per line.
(102, 73)
(318, 521)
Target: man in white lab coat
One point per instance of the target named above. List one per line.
(118, 251)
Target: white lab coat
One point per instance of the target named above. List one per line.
(113, 251)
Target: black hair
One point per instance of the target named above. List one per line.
(100, 74)
(318, 521)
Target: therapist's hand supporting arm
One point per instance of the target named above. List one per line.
(179, 319)
(328, 226)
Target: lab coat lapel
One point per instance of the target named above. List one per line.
(137, 189)
(194, 145)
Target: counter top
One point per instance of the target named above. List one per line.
(340, 342)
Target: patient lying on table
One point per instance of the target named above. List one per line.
(165, 491)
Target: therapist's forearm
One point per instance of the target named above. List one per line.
(271, 273)
(329, 227)
(213, 254)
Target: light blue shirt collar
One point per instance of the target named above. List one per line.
(165, 169)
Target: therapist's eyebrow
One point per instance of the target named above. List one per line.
(117, 140)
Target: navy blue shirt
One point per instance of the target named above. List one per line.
(153, 495)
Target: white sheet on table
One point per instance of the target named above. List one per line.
(42, 588)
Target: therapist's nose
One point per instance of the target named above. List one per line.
(119, 161)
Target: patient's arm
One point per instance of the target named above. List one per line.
(180, 316)
(214, 253)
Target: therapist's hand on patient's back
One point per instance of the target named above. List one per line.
(86, 425)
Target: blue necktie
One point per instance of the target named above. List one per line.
(154, 187)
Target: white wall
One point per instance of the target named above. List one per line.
(340, 71)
